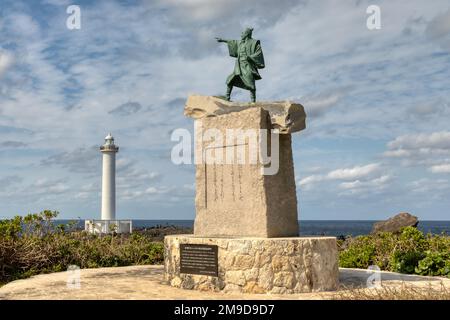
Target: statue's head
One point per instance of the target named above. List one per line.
(247, 33)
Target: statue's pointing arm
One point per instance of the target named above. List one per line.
(220, 39)
(232, 46)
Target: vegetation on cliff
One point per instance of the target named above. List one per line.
(410, 251)
(34, 244)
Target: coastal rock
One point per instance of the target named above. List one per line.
(286, 116)
(396, 223)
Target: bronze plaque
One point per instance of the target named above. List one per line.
(199, 259)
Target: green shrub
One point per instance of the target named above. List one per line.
(33, 244)
(409, 251)
(359, 254)
(405, 261)
(412, 239)
(434, 264)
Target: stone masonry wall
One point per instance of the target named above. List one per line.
(259, 265)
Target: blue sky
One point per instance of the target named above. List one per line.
(378, 102)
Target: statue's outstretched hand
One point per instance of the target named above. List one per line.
(220, 40)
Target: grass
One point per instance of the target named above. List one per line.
(389, 292)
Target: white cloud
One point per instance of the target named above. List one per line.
(160, 193)
(154, 190)
(317, 105)
(46, 188)
(58, 188)
(358, 172)
(359, 182)
(374, 184)
(355, 174)
(91, 187)
(397, 153)
(435, 140)
(428, 149)
(230, 12)
(440, 168)
(57, 2)
(311, 179)
(433, 187)
(6, 61)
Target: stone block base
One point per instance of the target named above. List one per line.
(259, 265)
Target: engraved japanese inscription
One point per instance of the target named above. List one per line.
(199, 259)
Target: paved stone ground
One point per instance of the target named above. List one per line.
(146, 282)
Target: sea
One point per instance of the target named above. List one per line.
(307, 227)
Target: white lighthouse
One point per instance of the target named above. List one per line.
(108, 222)
(109, 150)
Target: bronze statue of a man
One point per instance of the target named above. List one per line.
(249, 59)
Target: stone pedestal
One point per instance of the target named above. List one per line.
(259, 265)
(246, 211)
(234, 197)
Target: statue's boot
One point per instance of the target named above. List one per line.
(253, 95)
(228, 95)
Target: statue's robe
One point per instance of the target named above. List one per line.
(249, 59)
